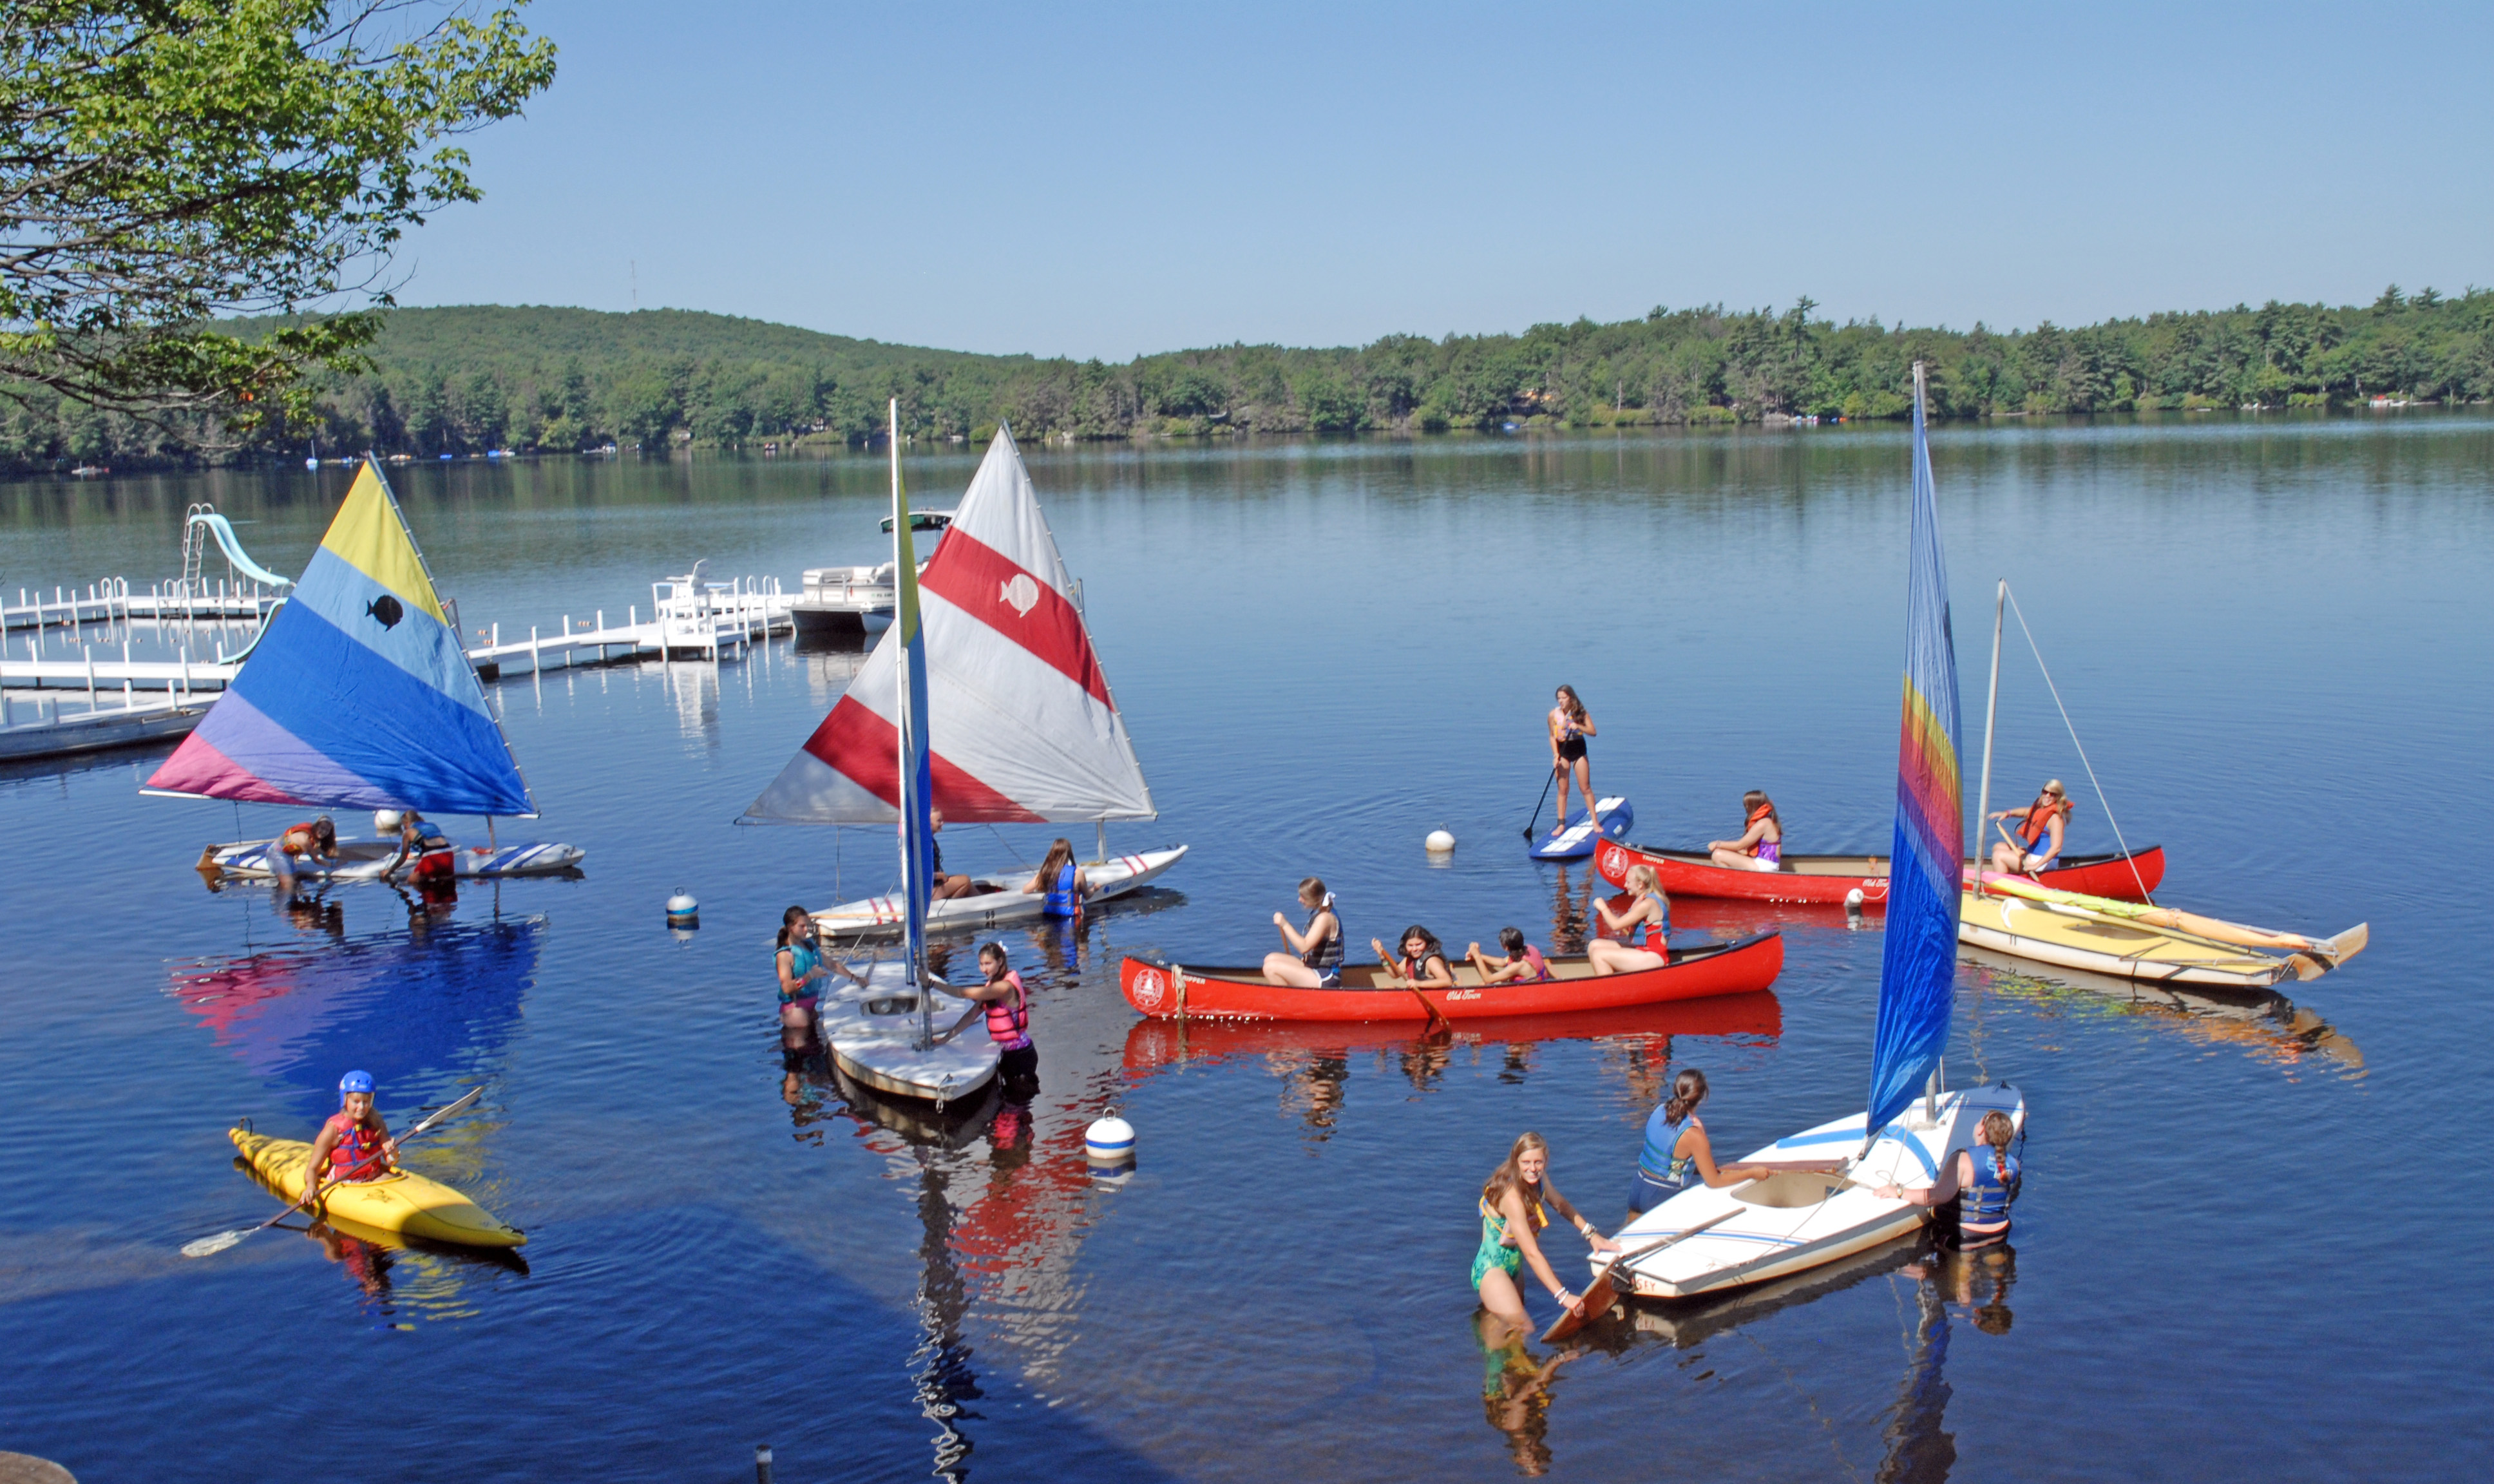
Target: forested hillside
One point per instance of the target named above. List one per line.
(462, 380)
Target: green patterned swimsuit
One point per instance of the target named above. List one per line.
(1496, 1250)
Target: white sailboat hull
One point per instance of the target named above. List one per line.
(871, 1032)
(366, 860)
(880, 917)
(1791, 1223)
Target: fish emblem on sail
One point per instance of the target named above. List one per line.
(1021, 726)
(357, 695)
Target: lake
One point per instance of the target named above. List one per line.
(2237, 1252)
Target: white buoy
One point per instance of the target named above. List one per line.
(1108, 1141)
(682, 911)
(1441, 841)
(385, 822)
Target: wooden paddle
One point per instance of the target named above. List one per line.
(1437, 1021)
(1602, 1293)
(206, 1246)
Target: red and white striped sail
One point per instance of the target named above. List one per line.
(1019, 718)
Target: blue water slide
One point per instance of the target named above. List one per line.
(222, 529)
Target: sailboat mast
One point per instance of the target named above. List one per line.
(1991, 712)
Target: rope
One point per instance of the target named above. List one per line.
(2127, 858)
(1008, 850)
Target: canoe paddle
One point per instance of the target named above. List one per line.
(206, 1246)
(1437, 1021)
(1602, 1293)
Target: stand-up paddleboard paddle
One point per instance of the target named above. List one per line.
(1602, 1293)
(1535, 822)
(1437, 1021)
(206, 1246)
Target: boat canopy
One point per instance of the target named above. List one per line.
(358, 695)
(1020, 724)
(1918, 963)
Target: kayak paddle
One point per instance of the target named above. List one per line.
(206, 1246)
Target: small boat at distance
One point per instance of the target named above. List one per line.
(994, 900)
(1742, 966)
(1831, 879)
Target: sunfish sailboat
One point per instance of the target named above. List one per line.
(358, 696)
(1799, 1218)
(1023, 727)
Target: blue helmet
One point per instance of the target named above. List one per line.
(354, 1081)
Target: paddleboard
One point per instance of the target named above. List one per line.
(1612, 820)
(402, 1201)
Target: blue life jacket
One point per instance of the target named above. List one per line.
(1062, 899)
(804, 958)
(1656, 1162)
(1986, 1201)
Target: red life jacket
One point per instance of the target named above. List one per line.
(357, 1145)
(310, 833)
(2039, 820)
(1008, 1020)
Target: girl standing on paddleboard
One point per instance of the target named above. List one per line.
(1515, 1205)
(1569, 726)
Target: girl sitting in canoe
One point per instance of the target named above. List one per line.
(1569, 726)
(1315, 958)
(1060, 882)
(1761, 845)
(1979, 1183)
(1651, 908)
(2040, 833)
(800, 963)
(1424, 965)
(1515, 1205)
(1522, 964)
(1677, 1148)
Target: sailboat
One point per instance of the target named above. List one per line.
(358, 696)
(1706, 1240)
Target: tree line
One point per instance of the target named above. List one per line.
(472, 380)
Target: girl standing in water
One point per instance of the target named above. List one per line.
(1569, 726)
(1515, 1205)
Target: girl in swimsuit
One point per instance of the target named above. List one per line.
(1569, 726)
(1761, 845)
(2041, 829)
(1515, 1204)
(1651, 908)
(1522, 964)
(801, 964)
(1315, 958)
(1424, 965)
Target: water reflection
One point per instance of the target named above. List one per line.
(2262, 1023)
(1515, 1392)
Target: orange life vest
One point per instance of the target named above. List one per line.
(2039, 820)
(1762, 811)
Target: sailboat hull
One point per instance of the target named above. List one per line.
(366, 860)
(1793, 1222)
(881, 917)
(871, 1032)
(2125, 950)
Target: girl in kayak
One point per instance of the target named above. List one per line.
(1315, 958)
(1060, 882)
(1569, 726)
(1007, 1013)
(2040, 833)
(1761, 845)
(1651, 908)
(1515, 1205)
(1677, 1149)
(1979, 1183)
(1424, 965)
(1522, 964)
(355, 1145)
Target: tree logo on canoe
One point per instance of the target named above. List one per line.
(1148, 989)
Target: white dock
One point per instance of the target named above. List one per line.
(691, 619)
(112, 601)
(51, 732)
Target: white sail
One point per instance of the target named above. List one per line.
(1020, 723)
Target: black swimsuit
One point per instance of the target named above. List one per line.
(1572, 747)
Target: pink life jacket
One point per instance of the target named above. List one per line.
(1008, 1020)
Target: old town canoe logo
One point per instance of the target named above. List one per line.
(1614, 861)
(1021, 592)
(1150, 986)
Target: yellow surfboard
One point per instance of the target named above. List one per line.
(401, 1202)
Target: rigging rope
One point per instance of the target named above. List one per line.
(2127, 858)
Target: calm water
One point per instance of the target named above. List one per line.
(2241, 1246)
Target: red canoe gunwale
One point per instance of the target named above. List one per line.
(1829, 879)
(1738, 967)
(1155, 1043)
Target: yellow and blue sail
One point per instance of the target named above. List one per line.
(917, 780)
(358, 696)
(1918, 966)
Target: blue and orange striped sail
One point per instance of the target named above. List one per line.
(917, 773)
(358, 696)
(1918, 966)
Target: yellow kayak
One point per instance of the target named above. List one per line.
(2034, 930)
(402, 1203)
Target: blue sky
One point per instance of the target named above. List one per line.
(1092, 180)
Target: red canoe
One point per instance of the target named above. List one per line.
(1243, 994)
(1153, 1044)
(1830, 878)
